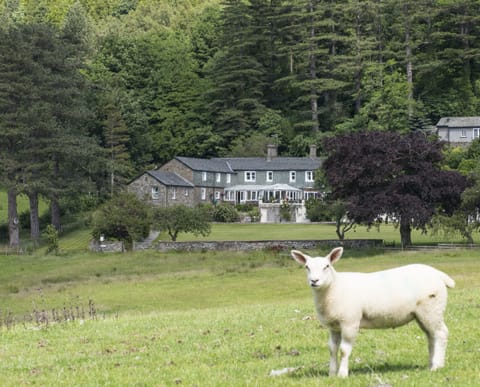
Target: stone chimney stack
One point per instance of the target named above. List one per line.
(272, 152)
(313, 151)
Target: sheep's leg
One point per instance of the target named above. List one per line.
(431, 322)
(438, 346)
(346, 345)
(333, 344)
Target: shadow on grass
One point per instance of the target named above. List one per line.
(315, 372)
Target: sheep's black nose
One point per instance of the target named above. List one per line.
(313, 282)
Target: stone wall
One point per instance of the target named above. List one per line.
(107, 246)
(260, 245)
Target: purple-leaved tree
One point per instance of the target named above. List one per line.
(379, 173)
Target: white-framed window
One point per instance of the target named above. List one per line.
(174, 193)
(204, 176)
(229, 196)
(464, 133)
(250, 176)
(293, 176)
(186, 191)
(218, 195)
(253, 195)
(476, 133)
(203, 193)
(269, 176)
(155, 192)
(309, 178)
(218, 177)
(242, 196)
(229, 178)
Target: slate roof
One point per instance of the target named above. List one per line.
(206, 165)
(233, 164)
(459, 122)
(170, 178)
(275, 164)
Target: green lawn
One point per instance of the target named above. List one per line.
(78, 240)
(214, 319)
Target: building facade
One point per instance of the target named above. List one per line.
(458, 130)
(192, 181)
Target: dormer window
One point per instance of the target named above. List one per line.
(250, 176)
(218, 177)
(204, 176)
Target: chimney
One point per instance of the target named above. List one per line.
(313, 151)
(271, 152)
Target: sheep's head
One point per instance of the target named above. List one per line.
(320, 270)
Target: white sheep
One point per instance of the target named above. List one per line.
(346, 302)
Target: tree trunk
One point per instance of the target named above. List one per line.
(408, 59)
(405, 232)
(13, 221)
(313, 75)
(34, 216)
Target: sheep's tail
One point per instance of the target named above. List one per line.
(448, 280)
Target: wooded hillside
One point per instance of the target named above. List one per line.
(94, 91)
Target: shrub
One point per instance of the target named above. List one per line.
(124, 217)
(51, 235)
(225, 213)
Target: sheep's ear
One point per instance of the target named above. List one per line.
(299, 257)
(335, 254)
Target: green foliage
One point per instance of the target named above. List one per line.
(124, 218)
(465, 219)
(182, 219)
(225, 213)
(51, 236)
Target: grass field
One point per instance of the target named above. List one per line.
(214, 319)
(78, 240)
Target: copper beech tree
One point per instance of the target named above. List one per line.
(390, 175)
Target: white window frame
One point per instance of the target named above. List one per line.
(218, 177)
(218, 195)
(463, 133)
(155, 192)
(269, 176)
(250, 176)
(309, 177)
(292, 176)
(203, 193)
(204, 176)
(476, 133)
(229, 178)
(174, 193)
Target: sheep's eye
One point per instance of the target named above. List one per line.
(306, 267)
(326, 267)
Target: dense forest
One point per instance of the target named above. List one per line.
(94, 91)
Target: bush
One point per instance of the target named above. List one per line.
(51, 235)
(124, 218)
(225, 213)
